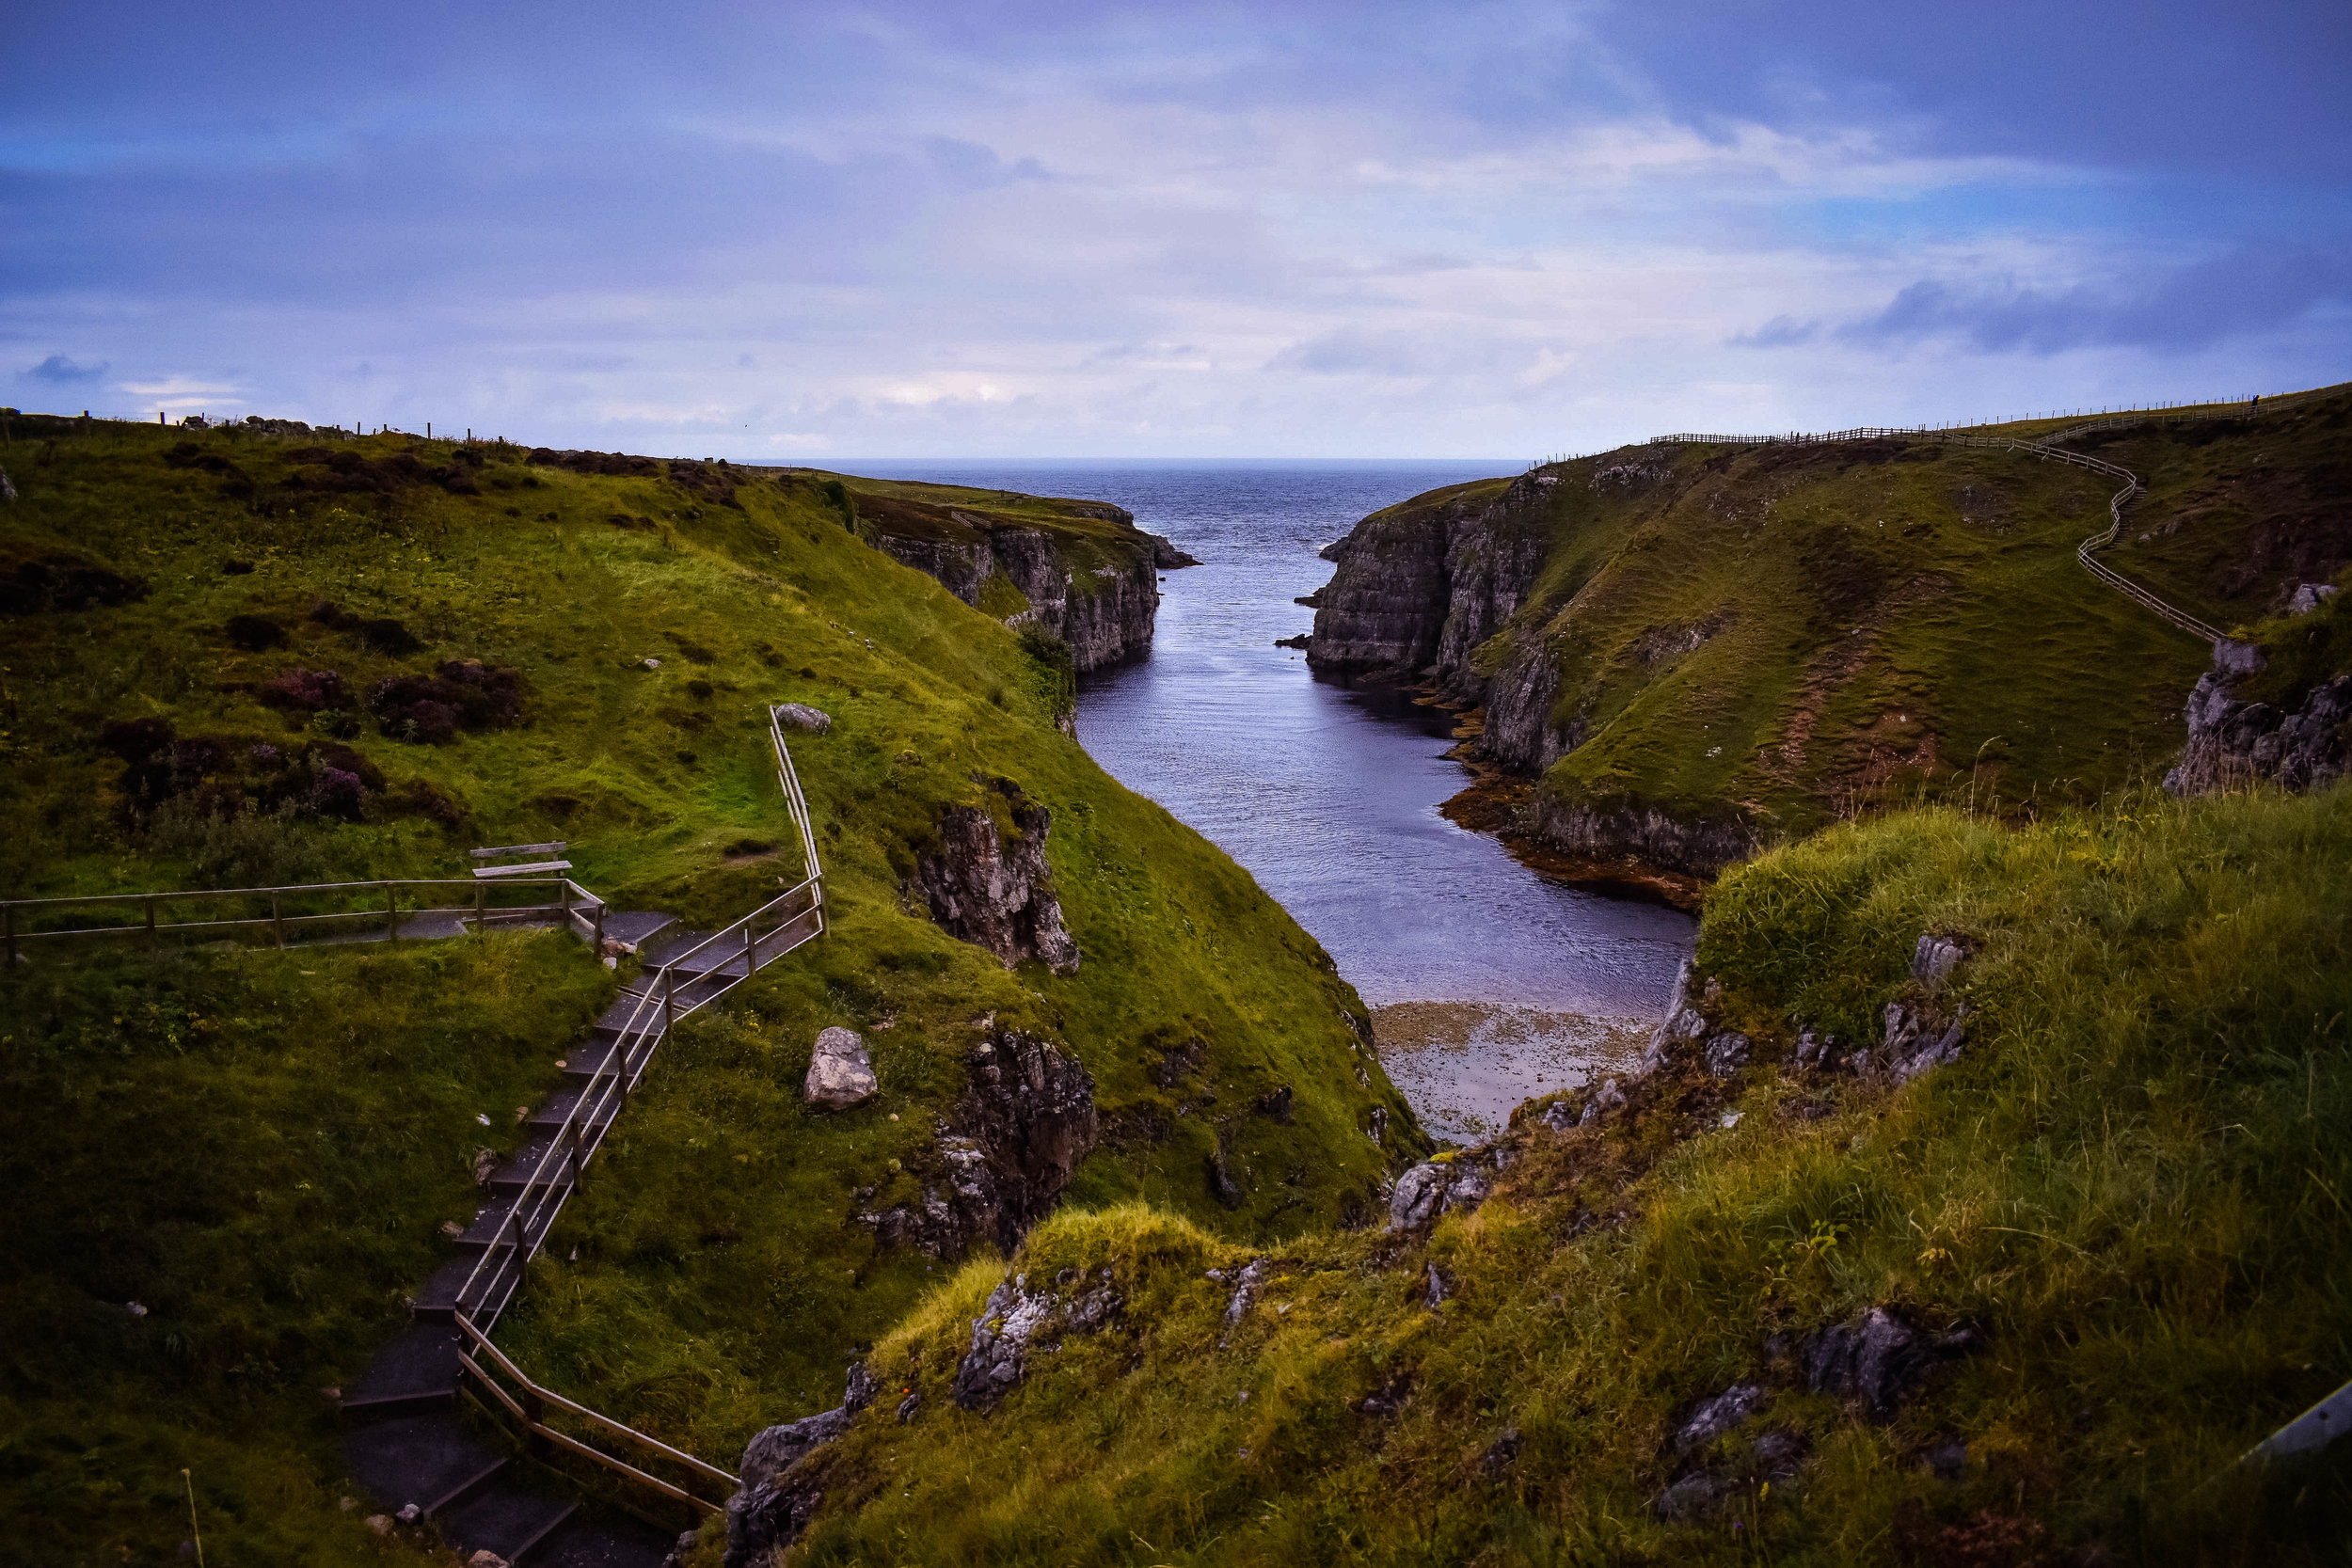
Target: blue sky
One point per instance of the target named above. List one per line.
(811, 233)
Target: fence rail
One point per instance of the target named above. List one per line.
(2046, 447)
(26, 920)
(528, 1403)
(683, 984)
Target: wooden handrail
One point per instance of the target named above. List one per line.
(498, 1272)
(481, 1342)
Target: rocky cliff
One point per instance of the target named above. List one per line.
(2236, 740)
(1080, 570)
(1420, 585)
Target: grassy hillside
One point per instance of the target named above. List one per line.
(2122, 1210)
(628, 627)
(1777, 637)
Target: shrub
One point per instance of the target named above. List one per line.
(418, 797)
(248, 847)
(308, 689)
(254, 633)
(430, 709)
(385, 636)
(338, 794)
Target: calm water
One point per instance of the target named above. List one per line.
(1488, 984)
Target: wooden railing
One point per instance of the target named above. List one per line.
(527, 1404)
(26, 920)
(683, 984)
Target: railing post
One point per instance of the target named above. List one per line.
(669, 1007)
(599, 927)
(150, 923)
(477, 908)
(751, 961)
(564, 893)
(391, 915)
(277, 921)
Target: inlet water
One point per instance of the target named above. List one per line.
(1487, 983)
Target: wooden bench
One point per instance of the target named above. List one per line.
(531, 869)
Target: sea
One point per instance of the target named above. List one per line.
(1488, 985)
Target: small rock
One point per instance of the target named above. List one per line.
(135, 1310)
(1725, 1055)
(1388, 1398)
(1435, 1296)
(800, 716)
(1946, 1459)
(840, 1073)
(451, 1229)
(335, 1396)
(380, 1523)
(347, 1504)
(2308, 596)
(409, 1514)
(488, 1558)
(1879, 1360)
(1729, 1119)
(1501, 1451)
(484, 1162)
(908, 1406)
(1711, 1418)
(1934, 958)
(649, 664)
(1608, 1098)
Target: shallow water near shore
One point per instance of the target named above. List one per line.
(1488, 984)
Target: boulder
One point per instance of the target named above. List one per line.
(840, 1073)
(2308, 596)
(800, 716)
(1934, 957)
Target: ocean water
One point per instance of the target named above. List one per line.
(1488, 984)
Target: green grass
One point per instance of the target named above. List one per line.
(257, 1148)
(2133, 1184)
(711, 1290)
(1891, 622)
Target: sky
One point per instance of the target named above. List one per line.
(808, 233)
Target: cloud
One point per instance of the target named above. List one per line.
(2191, 307)
(1780, 332)
(63, 372)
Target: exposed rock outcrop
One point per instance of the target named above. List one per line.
(1015, 1318)
(1026, 1120)
(1436, 1187)
(1700, 846)
(1100, 593)
(776, 1498)
(2233, 743)
(994, 891)
(1420, 586)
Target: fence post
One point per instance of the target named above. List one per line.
(477, 908)
(751, 961)
(669, 992)
(391, 915)
(564, 894)
(150, 923)
(599, 927)
(277, 921)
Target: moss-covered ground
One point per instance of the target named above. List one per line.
(2132, 1186)
(719, 1281)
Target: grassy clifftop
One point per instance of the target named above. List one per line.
(2113, 1230)
(1757, 641)
(232, 660)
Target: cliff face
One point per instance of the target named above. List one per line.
(1420, 586)
(1081, 570)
